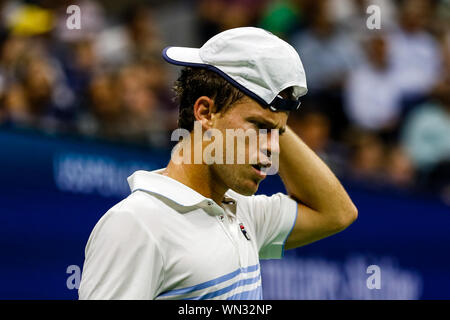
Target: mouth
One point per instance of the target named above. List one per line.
(260, 170)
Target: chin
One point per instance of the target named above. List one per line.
(247, 189)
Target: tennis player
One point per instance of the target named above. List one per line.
(195, 230)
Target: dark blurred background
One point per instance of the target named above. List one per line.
(80, 110)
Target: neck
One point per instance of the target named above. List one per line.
(198, 177)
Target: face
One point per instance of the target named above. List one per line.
(377, 52)
(247, 114)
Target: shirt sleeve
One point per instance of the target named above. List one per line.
(273, 218)
(122, 260)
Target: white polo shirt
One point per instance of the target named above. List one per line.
(166, 241)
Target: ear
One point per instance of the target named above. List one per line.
(203, 110)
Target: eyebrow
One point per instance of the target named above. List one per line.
(267, 123)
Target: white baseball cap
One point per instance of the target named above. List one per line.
(252, 59)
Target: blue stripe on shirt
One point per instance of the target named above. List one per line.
(240, 283)
(210, 283)
(254, 294)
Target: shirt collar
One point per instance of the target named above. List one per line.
(174, 193)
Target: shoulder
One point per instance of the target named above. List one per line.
(253, 197)
(254, 204)
(136, 204)
(425, 114)
(139, 212)
(140, 203)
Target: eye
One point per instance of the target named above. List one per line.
(257, 124)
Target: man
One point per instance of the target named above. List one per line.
(194, 230)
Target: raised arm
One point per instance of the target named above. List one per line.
(324, 207)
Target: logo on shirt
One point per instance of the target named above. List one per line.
(244, 232)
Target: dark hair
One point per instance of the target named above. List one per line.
(196, 82)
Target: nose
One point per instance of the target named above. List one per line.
(268, 145)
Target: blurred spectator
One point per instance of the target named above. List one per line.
(139, 106)
(282, 17)
(352, 15)
(372, 96)
(134, 40)
(314, 129)
(157, 80)
(426, 132)
(92, 20)
(219, 15)
(80, 63)
(11, 55)
(327, 55)
(367, 157)
(415, 55)
(38, 81)
(103, 118)
(439, 23)
(28, 19)
(124, 109)
(398, 168)
(31, 72)
(16, 105)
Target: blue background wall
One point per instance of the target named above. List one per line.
(54, 190)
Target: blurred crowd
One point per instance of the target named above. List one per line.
(377, 110)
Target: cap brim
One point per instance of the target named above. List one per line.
(183, 56)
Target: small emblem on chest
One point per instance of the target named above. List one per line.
(244, 232)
